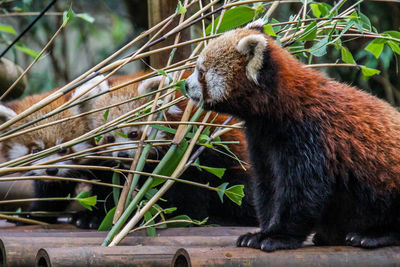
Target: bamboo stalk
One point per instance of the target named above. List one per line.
(177, 172)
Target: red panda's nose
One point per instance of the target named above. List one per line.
(52, 171)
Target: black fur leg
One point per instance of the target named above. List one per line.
(251, 240)
(373, 240)
(268, 243)
(319, 240)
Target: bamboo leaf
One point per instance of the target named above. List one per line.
(310, 33)
(368, 72)
(394, 46)
(219, 172)
(169, 168)
(347, 56)
(233, 18)
(86, 17)
(116, 191)
(7, 29)
(121, 134)
(319, 49)
(221, 191)
(235, 193)
(179, 224)
(169, 210)
(97, 139)
(106, 224)
(268, 29)
(151, 231)
(86, 201)
(180, 9)
(68, 16)
(376, 47)
(164, 73)
(181, 87)
(26, 50)
(105, 115)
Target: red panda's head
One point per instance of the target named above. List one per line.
(233, 68)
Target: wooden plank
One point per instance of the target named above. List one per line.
(106, 256)
(307, 256)
(21, 251)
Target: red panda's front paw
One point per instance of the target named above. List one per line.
(267, 243)
(251, 240)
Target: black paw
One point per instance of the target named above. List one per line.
(319, 240)
(267, 243)
(372, 241)
(86, 221)
(250, 240)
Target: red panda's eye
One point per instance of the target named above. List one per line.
(201, 74)
(133, 134)
(63, 151)
(110, 139)
(35, 150)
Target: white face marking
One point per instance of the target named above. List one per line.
(6, 114)
(61, 171)
(17, 150)
(175, 110)
(81, 146)
(194, 88)
(215, 85)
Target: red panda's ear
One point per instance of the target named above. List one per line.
(257, 25)
(6, 114)
(150, 85)
(84, 91)
(253, 47)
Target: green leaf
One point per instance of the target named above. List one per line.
(394, 46)
(121, 134)
(368, 72)
(268, 29)
(233, 18)
(163, 128)
(347, 56)
(83, 194)
(260, 9)
(170, 167)
(68, 16)
(310, 33)
(181, 87)
(365, 21)
(180, 9)
(219, 172)
(179, 224)
(7, 29)
(319, 49)
(315, 10)
(97, 139)
(162, 72)
(27, 50)
(376, 47)
(116, 191)
(105, 115)
(86, 17)
(221, 191)
(235, 193)
(394, 34)
(86, 201)
(151, 231)
(169, 210)
(106, 224)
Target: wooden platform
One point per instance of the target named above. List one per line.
(65, 245)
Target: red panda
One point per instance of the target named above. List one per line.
(195, 202)
(35, 141)
(326, 155)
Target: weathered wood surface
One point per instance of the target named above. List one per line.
(106, 256)
(21, 251)
(307, 256)
(201, 246)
